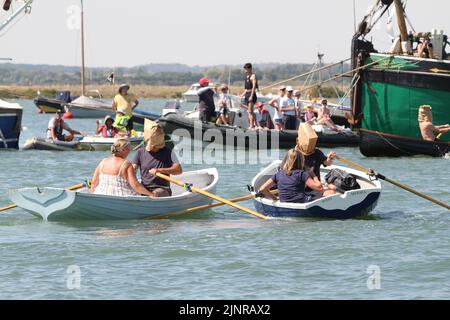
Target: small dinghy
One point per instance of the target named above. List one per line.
(99, 143)
(50, 145)
(351, 204)
(61, 204)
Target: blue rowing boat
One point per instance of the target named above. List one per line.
(348, 205)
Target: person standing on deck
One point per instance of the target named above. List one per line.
(298, 107)
(126, 101)
(289, 110)
(276, 104)
(155, 158)
(56, 127)
(206, 106)
(249, 94)
(427, 129)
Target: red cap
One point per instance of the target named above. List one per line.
(203, 81)
(259, 104)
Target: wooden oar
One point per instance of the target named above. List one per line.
(11, 206)
(212, 196)
(204, 207)
(396, 183)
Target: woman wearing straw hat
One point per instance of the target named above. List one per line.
(126, 101)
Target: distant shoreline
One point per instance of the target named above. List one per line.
(108, 91)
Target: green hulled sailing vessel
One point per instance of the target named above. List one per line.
(390, 87)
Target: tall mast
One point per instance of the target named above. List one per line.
(401, 22)
(83, 86)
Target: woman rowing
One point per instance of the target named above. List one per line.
(292, 181)
(115, 176)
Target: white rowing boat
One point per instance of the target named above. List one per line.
(99, 143)
(61, 204)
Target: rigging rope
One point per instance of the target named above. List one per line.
(304, 74)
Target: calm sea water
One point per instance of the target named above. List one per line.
(224, 254)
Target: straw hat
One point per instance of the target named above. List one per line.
(123, 86)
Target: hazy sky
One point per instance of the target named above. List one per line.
(199, 32)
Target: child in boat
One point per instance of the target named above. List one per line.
(310, 116)
(106, 130)
(115, 176)
(224, 102)
(427, 128)
(292, 180)
(155, 158)
(121, 122)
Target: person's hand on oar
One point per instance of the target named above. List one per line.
(395, 183)
(209, 195)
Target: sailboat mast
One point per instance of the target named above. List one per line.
(401, 22)
(83, 85)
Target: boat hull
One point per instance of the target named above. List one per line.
(179, 124)
(104, 144)
(58, 204)
(10, 125)
(49, 105)
(377, 144)
(351, 204)
(390, 93)
(48, 145)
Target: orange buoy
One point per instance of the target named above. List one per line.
(68, 115)
(39, 110)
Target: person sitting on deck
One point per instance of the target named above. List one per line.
(292, 181)
(224, 103)
(425, 48)
(310, 116)
(106, 130)
(263, 119)
(115, 176)
(323, 116)
(206, 106)
(427, 128)
(127, 102)
(56, 127)
(155, 158)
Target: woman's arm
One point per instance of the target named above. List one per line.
(94, 182)
(315, 184)
(253, 78)
(265, 189)
(114, 105)
(134, 183)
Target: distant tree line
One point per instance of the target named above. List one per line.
(169, 75)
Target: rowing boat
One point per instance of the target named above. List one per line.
(61, 204)
(350, 204)
(99, 143)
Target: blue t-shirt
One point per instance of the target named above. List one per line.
(291, 188)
